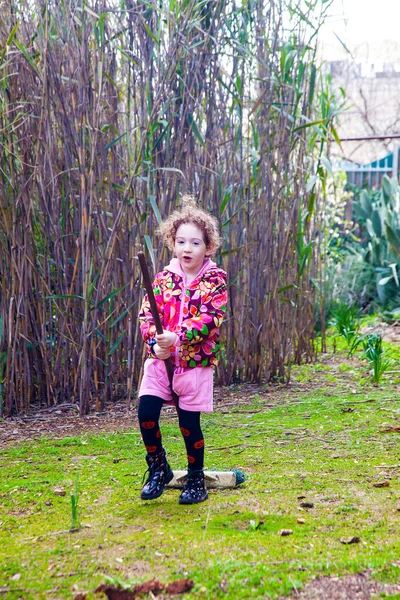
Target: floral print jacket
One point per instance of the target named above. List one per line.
(193, 311)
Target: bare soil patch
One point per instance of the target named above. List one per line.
(63, 420)
(359, 586)
(390, 331)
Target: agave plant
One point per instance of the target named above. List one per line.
(380, 214)
(346, 320)
(375, 355)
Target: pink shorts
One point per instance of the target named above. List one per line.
(194, 386)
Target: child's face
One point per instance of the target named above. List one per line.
(190, 249)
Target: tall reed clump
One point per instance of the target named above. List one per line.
(109, 110)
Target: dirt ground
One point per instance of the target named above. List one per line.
(351, 587)
(63, 420)
(389, 332)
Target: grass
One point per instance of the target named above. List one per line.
(321, 441)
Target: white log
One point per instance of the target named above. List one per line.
(214, 479)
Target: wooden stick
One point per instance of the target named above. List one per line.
(214, 479)
(157, 321)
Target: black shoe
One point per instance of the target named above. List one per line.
(194, 490)
(159, 475)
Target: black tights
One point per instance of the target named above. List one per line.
(189, 424)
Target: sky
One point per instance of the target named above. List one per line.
(360, 21)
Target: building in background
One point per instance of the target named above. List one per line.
(367, 66)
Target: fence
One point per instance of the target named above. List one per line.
(371, 175)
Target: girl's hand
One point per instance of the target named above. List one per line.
(166, 339)
(161, 353)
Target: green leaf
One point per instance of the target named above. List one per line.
(111, 80)
(116, 344)
(365, 203)
(386, 189)
(115, 141)
(393, 266)
(151, 34)
(109, 296)
(101, 26)
(370, 228)
(117, 582)
(92, 285)
(311, 89)
(327, 164)
(172, 169)
(393, 239)
(344, 45)
(335, 136)
(311, 182)
(385, 280)
(232, 251)
(310, 124)
(28, 58)
(58, 296)
(155, 209)
(195, 129)
(150, 248)
(122, 315)
(103, 337)
(9, 40)
(311, 205)
(162, 134)
(376, 223)
(305, 255)
(285, 288)
(230, 218)
(227, 197)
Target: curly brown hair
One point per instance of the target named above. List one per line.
(190, 213)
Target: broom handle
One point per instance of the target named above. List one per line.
(156, 316)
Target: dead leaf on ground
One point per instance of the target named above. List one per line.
(350, 540)
(179, 587)
(59, 491)
(390, 428)
(153, 586)
(307, 504)
(381, 484)
(113, 593)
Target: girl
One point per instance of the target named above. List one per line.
(191, 297)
